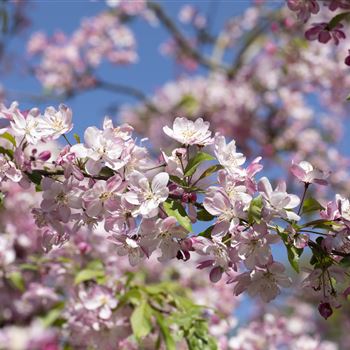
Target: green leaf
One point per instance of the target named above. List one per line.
(310, 205)
(211, 170)
(8, 152)
(203, 215)
(175, 209)
(31, 267)
(189, 103)
(293, 256)
(348, 98)
(322, 224)
(177, 180)
(17, 280)
(141, 320)
(254, 211)
(77, 138)
(51, 317)
(195, 161)
(7, 136)
(86, 275)
(207, 232)
(345, 262)
(293, 252)
(132, 296)
(35, 177)
(4, 21)
(2, 199)
(337, 19)
(165, 331)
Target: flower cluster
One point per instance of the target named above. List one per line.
(148, 207)
(67, 62)
(323, 31)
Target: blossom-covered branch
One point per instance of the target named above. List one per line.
(148, 206)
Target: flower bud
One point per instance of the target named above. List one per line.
(325, 310)
(44, 156)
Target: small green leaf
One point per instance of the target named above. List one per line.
(31, 267)
(175, 209)
(77, 138)
(4, 21)
(207, 232)
(203, 215)
(310, 205)
(17, 280)
(7, 136)
(86, 275)
(293, 256)
(254, 211)
(189, 103)
(195, 161)
(211, 170)
(177, 180)
(165, 331)
(51, 317)
(35, 177)
(8, 152)
(345, 262)
(337, 19)
(141, 320)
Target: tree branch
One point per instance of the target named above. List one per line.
(182, 41)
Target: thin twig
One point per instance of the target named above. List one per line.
(182, 41)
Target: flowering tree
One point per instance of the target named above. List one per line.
(105, 238)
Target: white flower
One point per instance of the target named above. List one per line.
(57, 123)
(190, 133)
(305, 172)
(29, 126)
(217, 203)
(102, 148)
(101, 299)
(278, 202)
(227, 155)
(146, 196)
(8, 170)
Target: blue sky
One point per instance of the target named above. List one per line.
(150, 72)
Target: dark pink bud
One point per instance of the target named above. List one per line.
(172, 187)
(84, 247)
(324, 36)
(215, 274)
(193, 197)
(347, 59)
(346, 292)
(186, 244)
(189, 197)
(325, 310)
(44, 156)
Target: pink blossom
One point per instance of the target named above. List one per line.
(253, 246)
(145, 195)
(102, 196)
(227, 155)
(217, 203)
(57, 123)
(60, 197)
(263, 282)
(102, 148)
(188, 132)
(306, 173)
(99, 299)
(320, 32)
(278, 201)
(304, 8)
